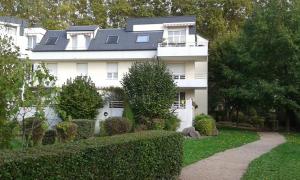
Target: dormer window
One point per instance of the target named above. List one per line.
(51, 41)
(31, 42)
(74, 42)
(112, 40)
(142, 38)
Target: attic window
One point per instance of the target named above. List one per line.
(51, 41)
(142, 38)
(112, 40)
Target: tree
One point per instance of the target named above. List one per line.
(79, 99)
(150, 89)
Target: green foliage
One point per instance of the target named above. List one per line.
(282, 162)
(35, 129)
(144, 155)
(150, 90)
(198, 149)
(128, 114)
(66, 131)
(8, 131)
(79, 99)
(49, 137)
(85, 129)
(116, 125)
(171, 122)
(205, 124)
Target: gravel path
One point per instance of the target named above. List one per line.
(231, 164)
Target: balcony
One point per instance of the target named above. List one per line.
(181, 51)
(200, 81)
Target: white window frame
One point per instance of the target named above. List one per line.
(74, 39)
(80, 67)
(177, 36)
(112, 71)
(32, 40)
(53, 68)
(180, 103)
(175, 70)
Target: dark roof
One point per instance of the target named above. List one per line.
(8, 19)
(126, 41)
(158, 20)
(82, 28)
(61, 42)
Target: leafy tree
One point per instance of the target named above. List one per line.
(150, 89)
(79, 99)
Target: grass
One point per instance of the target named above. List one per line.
(197, 149)
(283, 162)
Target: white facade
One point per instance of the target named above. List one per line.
(25, 38)
(185, 54)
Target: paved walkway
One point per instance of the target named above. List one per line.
(231, 164)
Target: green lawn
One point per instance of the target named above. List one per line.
(197, 149)
(283, 162)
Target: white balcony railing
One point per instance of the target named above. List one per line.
(184, 50)
(178, 104)
(116, 104)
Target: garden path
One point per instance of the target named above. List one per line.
(231, 164)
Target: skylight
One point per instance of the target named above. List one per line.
(51, 41)
(112, 40)
(142, 38)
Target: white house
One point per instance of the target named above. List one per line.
(21, 35)
(106, 55)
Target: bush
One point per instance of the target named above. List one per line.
(49, 137)
(66, 131)
(116, 125)
(172, 122)
(128, 114)
(205, 124)
(79, 99)
(150, 90)
(7, 133)
(86, 128)
(34, 130)
(143, 155)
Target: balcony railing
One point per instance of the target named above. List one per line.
(116, 104)
(178, 104)
(182, 44)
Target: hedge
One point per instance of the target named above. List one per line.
(142, 155)
(86, 128)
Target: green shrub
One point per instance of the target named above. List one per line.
(127, 113)
(49, 137)
(8, 131)
(205, 124)
(150, 89)
(86, 128)
(116, 125)
(172, 122)
(34, 130)
(143, 155)
(66, 131)
(79, 99)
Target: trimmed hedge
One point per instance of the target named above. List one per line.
(205, 124)
(85, 129)
(142, 155)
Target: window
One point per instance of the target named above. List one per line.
(82, 69)
(51, 41)
(31, 42)
(74, 42)
(176, 37)
(11, 30)
(112, 40)
(112, 71)
(52, 67)
(87, 41)
(142, 38)
(177, 70)
(179, 100)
